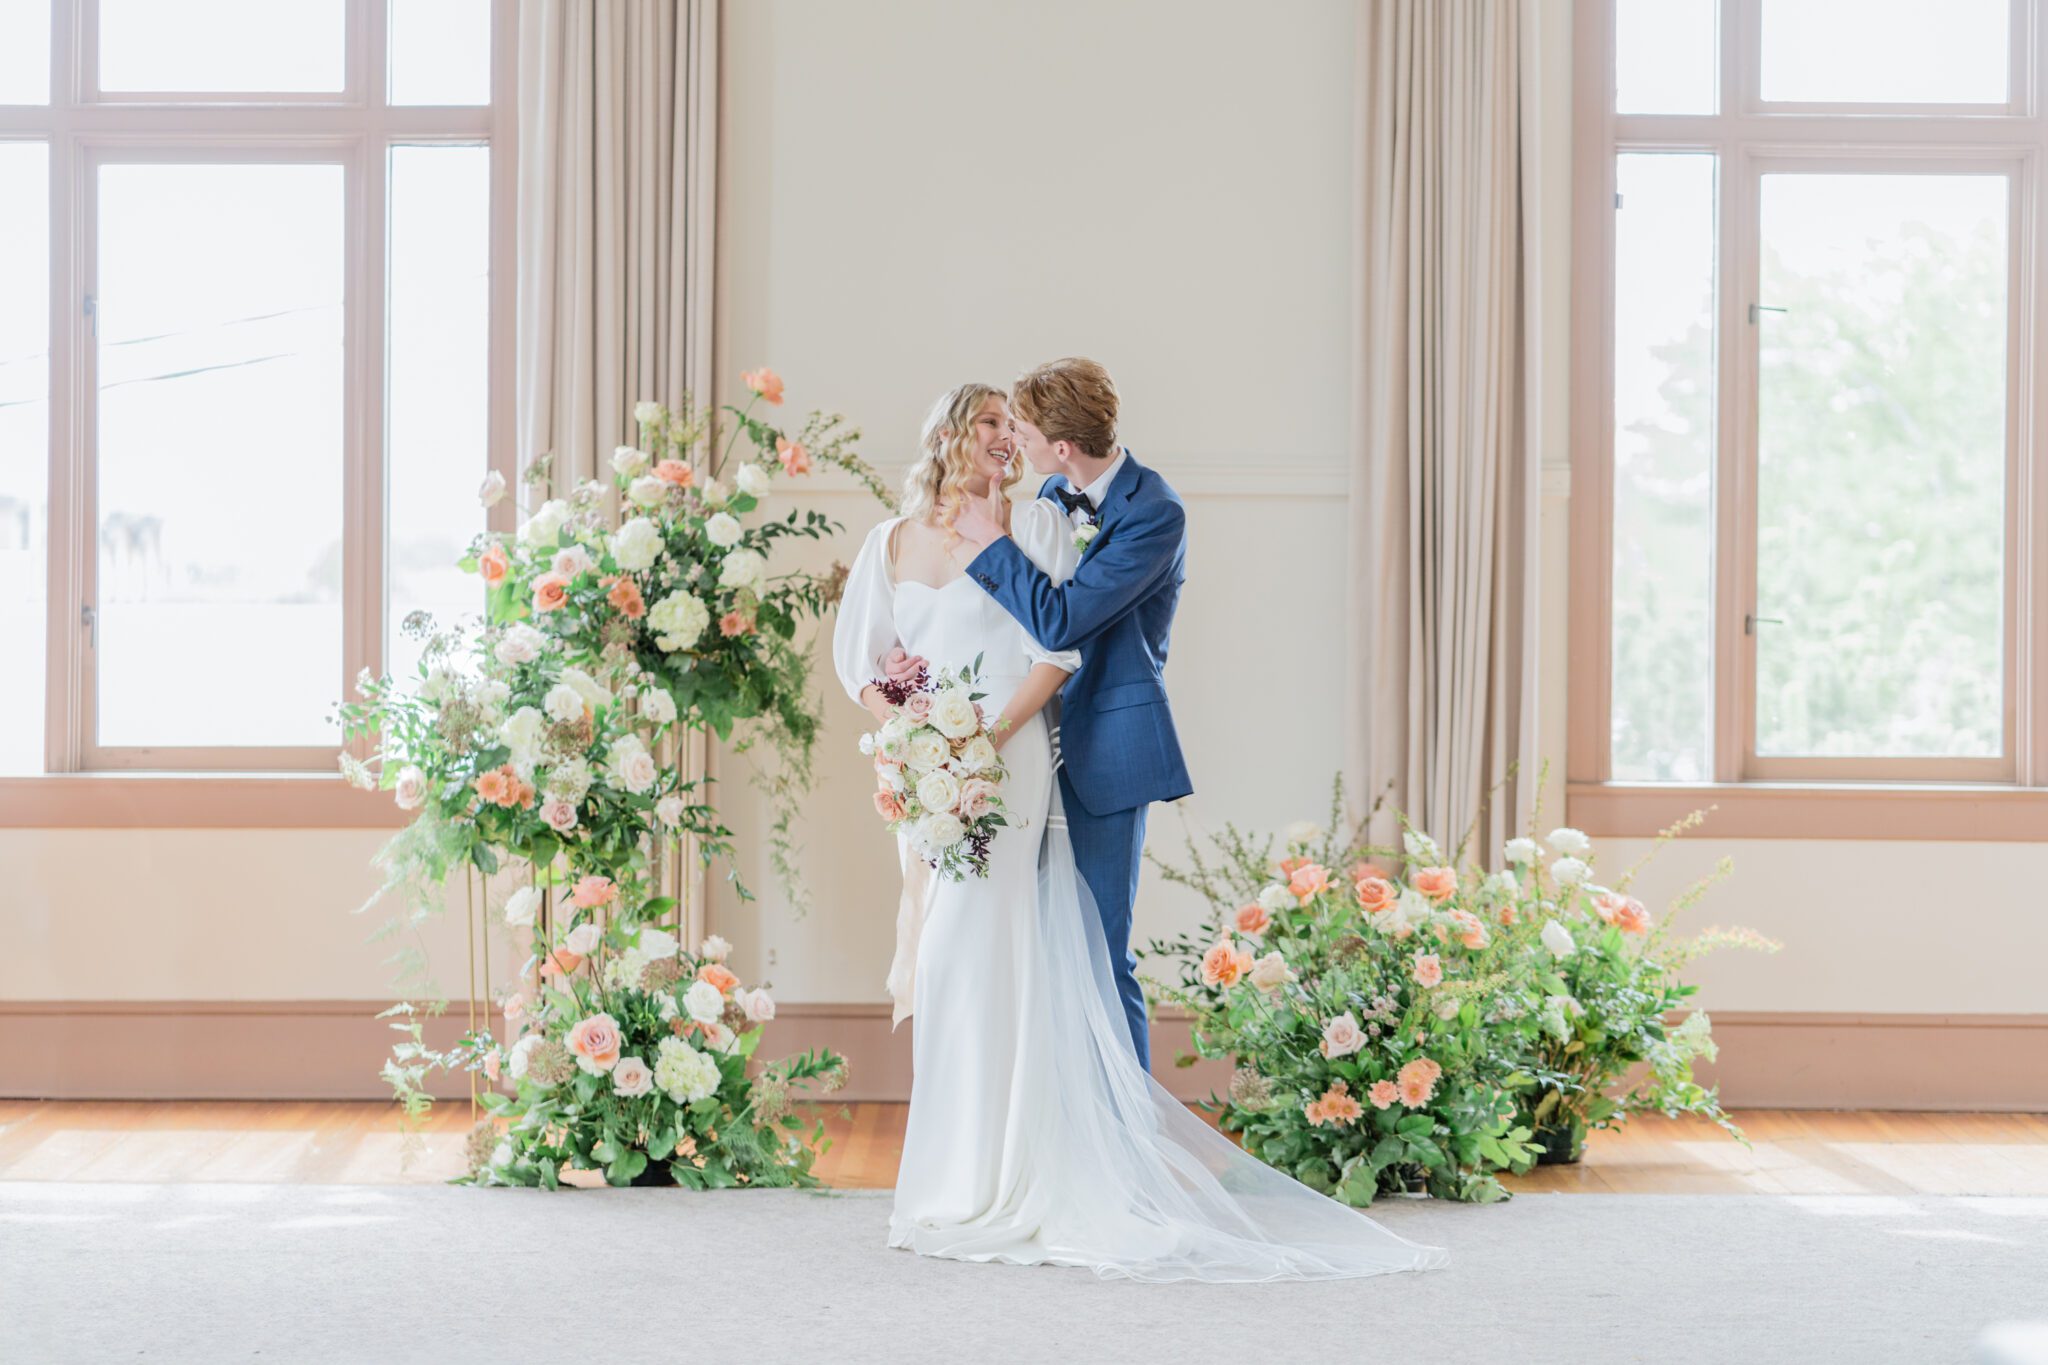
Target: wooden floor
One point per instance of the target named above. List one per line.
(1797, 1152)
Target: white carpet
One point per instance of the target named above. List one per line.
(219, 1272)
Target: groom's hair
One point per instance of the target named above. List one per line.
(1070, 400)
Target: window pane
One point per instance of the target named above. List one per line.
(24, 448)
(225, 46)
(1886, 51)
(438, 384)
(1663, 468)
(24, 51)
(440, 52)
(220, 443)
(1881, 480)
(1664, 56)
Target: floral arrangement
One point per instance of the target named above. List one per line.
(938, 774)
(547, 733)
(1400, 1022)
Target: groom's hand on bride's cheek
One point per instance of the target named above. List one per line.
(980, 521)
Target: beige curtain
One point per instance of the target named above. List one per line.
(1444, 498)
(618, 145)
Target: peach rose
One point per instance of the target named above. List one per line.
(1417, 1082)
(625, 597)
(735, 623)
(1429, 970)
(593, 891)
(595, 1041)
(492, 1065)
(888, 805)
(1308, 881)
(1437, 883)
(1288, 865)
(1224, 963)
(550, 592)
(1383, 1094)
(561, 962)
(675, 472)
(1367, 868)
(765, 382)
(1253, 919)
(918, 706)
(795, 456)
(1507, 915)
(493, 565)
(976, 796)
(1624, 912)
(1469, 930)
(1376, 894)
(1342, 1036)
(632, 1077)
(719, 975)
(560, 815)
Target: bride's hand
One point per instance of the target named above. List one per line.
(983, 521)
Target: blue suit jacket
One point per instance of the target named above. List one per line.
(1116, 731)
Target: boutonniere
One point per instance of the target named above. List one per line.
(1085, 533)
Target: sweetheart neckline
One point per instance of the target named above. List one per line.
(915, 583)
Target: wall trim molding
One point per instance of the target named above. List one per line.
(331, 1049)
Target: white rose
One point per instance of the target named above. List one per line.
(714, 949)
(1421, 846)
(521, 1053)
(1501, 886)
(703, 1001)
(928, 750)
(590, 689)
(632, 1077)
(942, 831)
(493, 490)
(658, 942)
(521, 644)
(545, 526)
(1521, 850)
(521, 732)
(713, 492)
(563, 703)
(759, 1006)
(938, 791)
(493, 695)
(647, 491)
(1558, 939)
(646, 411)
(678, 620)
(977, 753)
(1570, 842)
(669, 810)
(657, 706)
(952, 714)
(665, 1006)
(634, 770)
(1570, 871)
(583, 939)
(867, 745)
(744, 569)
(411, 789)
(629, 462)
(1277, 898)
(573, 561)
(752, 480)
(723, 530)
(521, 906)
(636, 545)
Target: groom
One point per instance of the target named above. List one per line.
(1116, 734)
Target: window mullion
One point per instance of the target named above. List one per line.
(1735, 466)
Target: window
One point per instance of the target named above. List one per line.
(1807, 458)
(254, 356)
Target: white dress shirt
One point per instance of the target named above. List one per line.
(1098, 490)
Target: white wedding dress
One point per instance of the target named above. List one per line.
(1034, 1136)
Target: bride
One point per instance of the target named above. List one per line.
(1035, 1137)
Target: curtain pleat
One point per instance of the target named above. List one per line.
(1442, 660)
(617, 171)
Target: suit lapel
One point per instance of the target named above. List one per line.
(1121, 488)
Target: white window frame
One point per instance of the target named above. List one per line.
(1760, 795)
(86, 783)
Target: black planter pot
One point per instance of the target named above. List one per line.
(1560, 1146)
(655, 1173)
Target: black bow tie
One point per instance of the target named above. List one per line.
(1073, 501)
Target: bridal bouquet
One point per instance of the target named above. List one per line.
(938, 776)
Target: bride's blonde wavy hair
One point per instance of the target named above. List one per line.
(938, 480)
